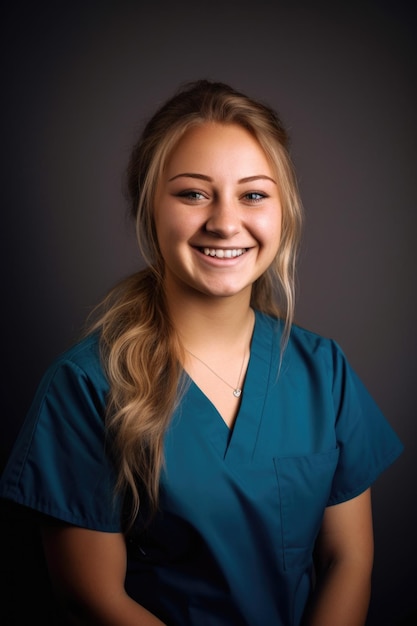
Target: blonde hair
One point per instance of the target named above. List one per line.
(141, 351)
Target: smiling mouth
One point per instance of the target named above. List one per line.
(221, 253)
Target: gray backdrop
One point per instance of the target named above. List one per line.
(77, 83)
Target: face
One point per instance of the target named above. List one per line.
(217, 212)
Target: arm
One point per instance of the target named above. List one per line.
(87, 569)
(344, 565)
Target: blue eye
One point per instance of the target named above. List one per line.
(255, 196)
(191, 195)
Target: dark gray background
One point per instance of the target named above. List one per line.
(77, 83)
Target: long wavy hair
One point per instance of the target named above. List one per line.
(141, 351)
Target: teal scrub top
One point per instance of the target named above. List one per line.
(240, 509)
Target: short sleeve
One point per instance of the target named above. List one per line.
(366, 441)
(59, 465)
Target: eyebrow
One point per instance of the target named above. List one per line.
(247, 179)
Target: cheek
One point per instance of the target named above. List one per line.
(162, 229)
(171, 228)
(269, 229)
(164, 225)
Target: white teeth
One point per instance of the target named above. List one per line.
(224, 254)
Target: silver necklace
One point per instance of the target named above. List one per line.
(237, 391)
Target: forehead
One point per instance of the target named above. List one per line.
(214, 145)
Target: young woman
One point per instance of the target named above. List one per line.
(198, 459)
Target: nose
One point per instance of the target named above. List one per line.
(224, 220)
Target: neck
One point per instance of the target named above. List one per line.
(219, 322)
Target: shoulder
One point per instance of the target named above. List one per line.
(85, 353)
(81, 363)
(323, 358)
(302, 344)
(309, 339)
(310, 343)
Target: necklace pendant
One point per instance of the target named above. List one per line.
(237, 392)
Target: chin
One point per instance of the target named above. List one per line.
(223, 292)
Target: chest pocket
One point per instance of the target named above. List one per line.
(304, 485)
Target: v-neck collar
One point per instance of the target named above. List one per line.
(237, 444)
